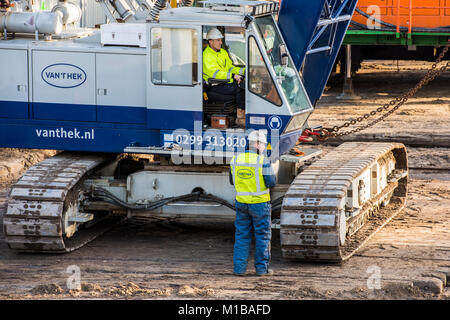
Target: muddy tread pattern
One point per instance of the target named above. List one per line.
(313, 221)
(33, 221)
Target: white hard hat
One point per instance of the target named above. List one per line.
(257, 136)
(214, 34)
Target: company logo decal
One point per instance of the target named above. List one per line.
(63, 75)
(275, 122)
(245, 173)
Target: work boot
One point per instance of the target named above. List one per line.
(240, 118)
(268, 273)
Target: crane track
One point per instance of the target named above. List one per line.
(41, 202)
(316, 223)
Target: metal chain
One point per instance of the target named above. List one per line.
(396, 103)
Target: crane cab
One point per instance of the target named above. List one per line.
(275, 98)
(138, 87)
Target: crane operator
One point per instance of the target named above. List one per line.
(217, 65)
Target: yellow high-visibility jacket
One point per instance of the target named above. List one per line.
(218, 65)
(247, 171)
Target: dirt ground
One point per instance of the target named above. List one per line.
(192, 259)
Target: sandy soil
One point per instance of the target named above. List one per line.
(14, 162)
(192, 259)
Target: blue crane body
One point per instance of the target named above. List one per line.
(85, 96)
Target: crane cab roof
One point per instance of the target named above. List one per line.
(227, 12)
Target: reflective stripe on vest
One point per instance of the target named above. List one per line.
(262, 193)
(229, 73)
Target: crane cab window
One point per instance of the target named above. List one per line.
(174, 57)
(287, 75)
(235, 45)
(259, 80)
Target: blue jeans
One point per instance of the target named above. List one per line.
(252, 218)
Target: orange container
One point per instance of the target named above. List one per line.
(423, 14)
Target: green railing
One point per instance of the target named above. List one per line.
(378, 37)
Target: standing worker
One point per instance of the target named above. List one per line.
(217, 65)
(252, 176)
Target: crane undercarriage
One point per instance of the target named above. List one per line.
(331, 208)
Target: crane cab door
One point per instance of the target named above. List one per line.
(174, 90)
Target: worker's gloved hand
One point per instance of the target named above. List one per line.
(237, 78)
